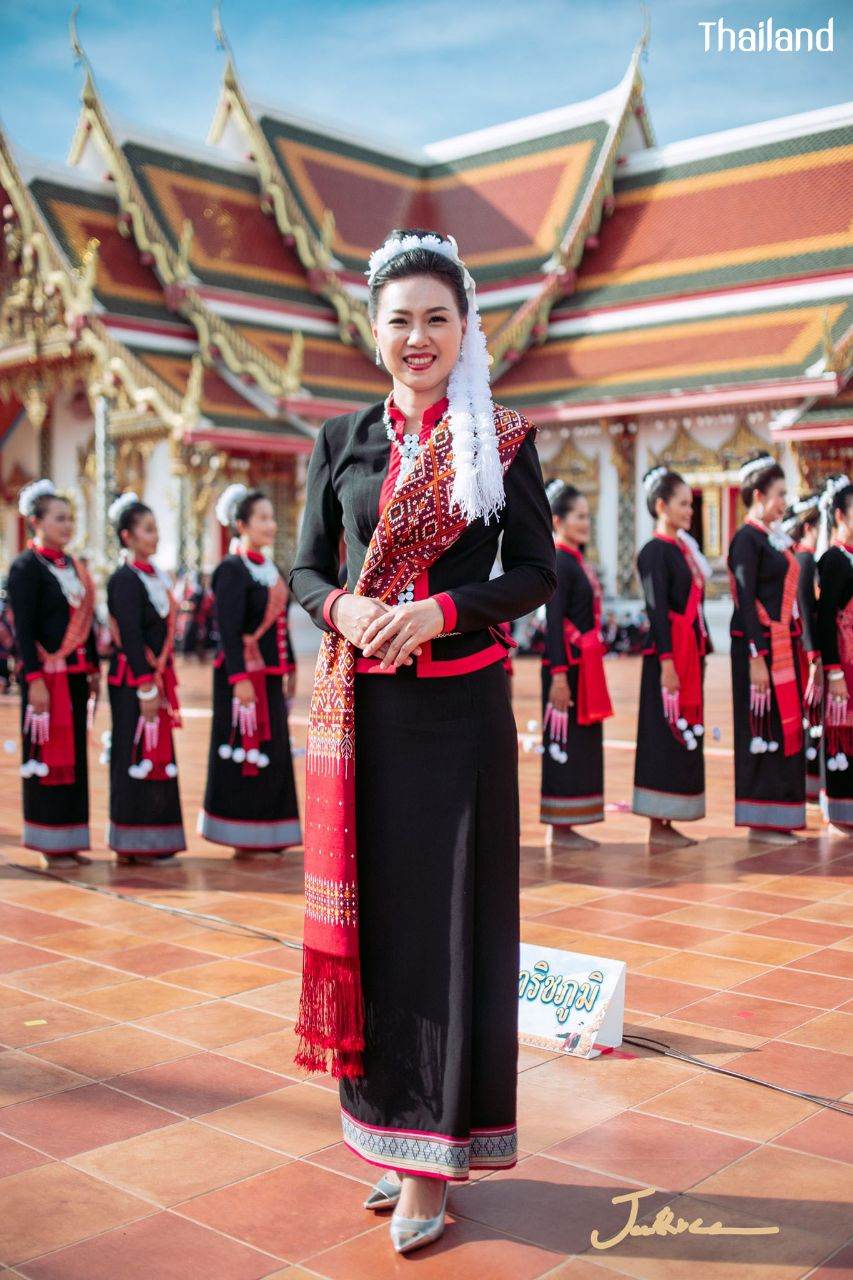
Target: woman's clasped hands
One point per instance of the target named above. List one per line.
(393, 633)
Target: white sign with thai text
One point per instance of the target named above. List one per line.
(569, 1002)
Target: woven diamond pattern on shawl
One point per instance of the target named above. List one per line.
(415, 528)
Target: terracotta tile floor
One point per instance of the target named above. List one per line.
(153, 1125)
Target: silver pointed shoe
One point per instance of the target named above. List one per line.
(408, 1234)
(384, 1195)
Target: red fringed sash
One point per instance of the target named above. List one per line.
(594, 702)
(415, 528)
(257, 672)
(782, 669)
(687, 652)
(164, 677)
(58, 752)
(840, 736)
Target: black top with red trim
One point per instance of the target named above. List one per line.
(807, 600)
(666, 580)
(836, 590)
(574, 600)
(41, 615)
(240, 607)
(347, 474)
(758, 570)
(139, 624)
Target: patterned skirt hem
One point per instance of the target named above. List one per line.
(668, 804)
(431, 1155)
(56, 840)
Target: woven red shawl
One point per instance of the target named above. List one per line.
(415, 528)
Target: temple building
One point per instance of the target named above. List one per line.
(176, 314)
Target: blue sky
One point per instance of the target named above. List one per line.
(412, 73)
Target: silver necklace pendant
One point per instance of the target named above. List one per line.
(266, 573)
(409, 448)
(70, 585)
(158, 588)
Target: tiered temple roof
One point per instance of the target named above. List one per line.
(615, 277)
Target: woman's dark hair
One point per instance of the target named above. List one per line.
(664, 488)
(760, 480)
(246, 505)
(42, 505)
(130, 517)
(562, 498)
(418, 262)
(842, 501)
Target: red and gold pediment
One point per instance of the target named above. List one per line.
(506, 207)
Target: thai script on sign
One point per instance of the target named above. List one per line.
(563, 993)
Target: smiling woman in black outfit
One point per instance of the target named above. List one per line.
(412, 822)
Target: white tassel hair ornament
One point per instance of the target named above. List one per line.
(478, 488)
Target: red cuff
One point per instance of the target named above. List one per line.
(833, 666)
(34, 675)
(235, 679)
(448, 609)
(327, 607)
(558, 670)
(813, 654)
(661, 656)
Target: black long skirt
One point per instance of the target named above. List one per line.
(669, 780)
(814, 773)
(838, 795)
(770, 787)
(145, 815)
(259, 812)
(572, 790)
(56, 819)
(438, 868)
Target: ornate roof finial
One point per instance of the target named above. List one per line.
(222, 40)
(647, 31)
(80, 57)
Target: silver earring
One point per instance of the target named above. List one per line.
(378, 356)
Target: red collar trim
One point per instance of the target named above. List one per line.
(846, 545)
(144, 567)
(760, 527)
(664, 537)
(50, 553)
(254, 556)
(429, 417)
(572, 551)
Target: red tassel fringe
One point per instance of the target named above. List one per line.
(331, 1015)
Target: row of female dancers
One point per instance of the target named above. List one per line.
(791, 575)
(250, 801)
(791, 657)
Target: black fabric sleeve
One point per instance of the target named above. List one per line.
(651, 564)
(743, 562)
(556, 611)
(806, 600)
(316, 566)
(24, 590)
(230, 590)
(527, 553)
(831, 573)
(126, 602)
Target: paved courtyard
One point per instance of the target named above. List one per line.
(152, 1124)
